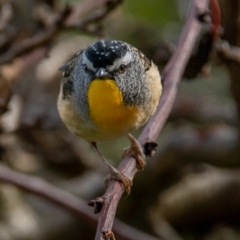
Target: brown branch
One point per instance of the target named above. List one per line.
(28, 45)
(86, 7)
(95, 16)
(62, 22)
(228, 52)
(87, 24)
(67, 200)
(171, 77)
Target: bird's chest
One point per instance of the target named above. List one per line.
(110, 116)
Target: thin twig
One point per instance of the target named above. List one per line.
(67, 200)
(171, 77)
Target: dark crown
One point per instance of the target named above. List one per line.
(104, 52)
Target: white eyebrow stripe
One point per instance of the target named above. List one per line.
(124, 60)
(88, 63)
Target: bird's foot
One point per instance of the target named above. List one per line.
(115, 174)
(135, 150)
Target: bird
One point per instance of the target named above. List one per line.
(107, 90)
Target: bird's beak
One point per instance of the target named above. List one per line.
(103, 74)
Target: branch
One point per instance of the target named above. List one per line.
(228, 52)
(28, 45)
(88, 6)
(171, 77)
(67, 200)
(95, 16)
(63, 22)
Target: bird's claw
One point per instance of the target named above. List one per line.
(115, 174)
(135, 150)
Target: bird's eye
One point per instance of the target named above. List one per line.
(122, 69)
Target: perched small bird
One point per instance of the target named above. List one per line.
(107, 90)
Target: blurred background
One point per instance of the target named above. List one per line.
(190, 189)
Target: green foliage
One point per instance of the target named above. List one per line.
(153, 11)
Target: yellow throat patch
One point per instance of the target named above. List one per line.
(107, 110)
